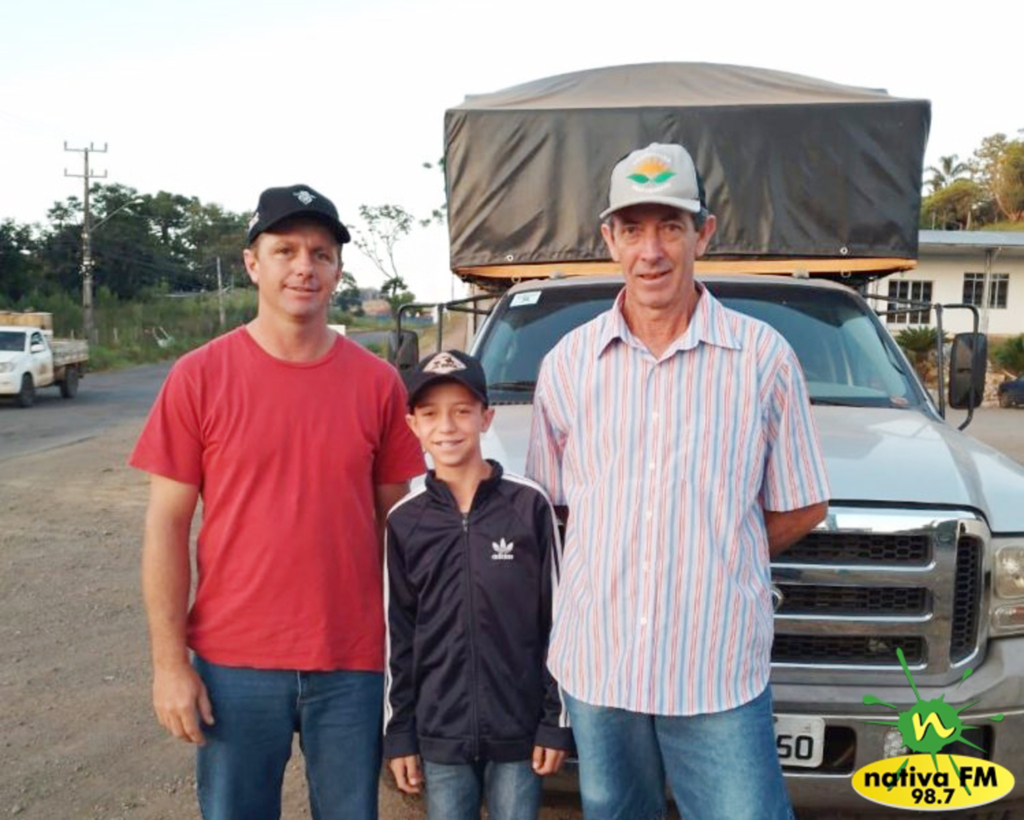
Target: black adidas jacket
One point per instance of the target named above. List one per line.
(469, 611)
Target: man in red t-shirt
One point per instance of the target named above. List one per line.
(295, 438)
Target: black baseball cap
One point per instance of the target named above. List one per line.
(278, 204)
(448, 366)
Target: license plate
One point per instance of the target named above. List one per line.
(799, 741)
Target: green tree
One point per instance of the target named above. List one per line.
(439, 215)
(347, 296)
(1000, 168)
(954, 207)
(20, 271)
(948, 171)
(396, 292)
(384, 227)
(208, 233)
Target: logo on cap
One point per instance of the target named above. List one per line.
(305, 197)
(443, 363)
(254, 220)
(651, 171)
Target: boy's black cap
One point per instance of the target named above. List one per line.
(448, 366)
(277, 204)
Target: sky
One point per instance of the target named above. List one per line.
(221, 98)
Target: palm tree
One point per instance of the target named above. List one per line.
(948, 170)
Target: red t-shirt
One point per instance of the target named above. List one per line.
(286, 456)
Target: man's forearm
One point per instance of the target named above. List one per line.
(786, 528)
(166, 582)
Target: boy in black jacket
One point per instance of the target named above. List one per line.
(471, 559)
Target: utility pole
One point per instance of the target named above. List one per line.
(220, 296)
(90, 335)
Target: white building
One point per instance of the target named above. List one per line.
(980, 268)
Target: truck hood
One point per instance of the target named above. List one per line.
(873, 455)
(10, 355)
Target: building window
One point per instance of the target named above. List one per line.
(916, 291)
(997, 288)
(974, 288)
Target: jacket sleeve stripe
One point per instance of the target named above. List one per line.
(556, 569)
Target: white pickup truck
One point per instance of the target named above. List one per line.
(30, 359)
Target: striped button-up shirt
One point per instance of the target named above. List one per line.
(666, 464)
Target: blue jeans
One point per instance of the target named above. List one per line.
(721, 766)
(511, 790)
(338, 716)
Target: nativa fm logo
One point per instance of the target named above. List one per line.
(928, 781)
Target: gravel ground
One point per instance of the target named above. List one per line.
(77, 736)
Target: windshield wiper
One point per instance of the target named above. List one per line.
(839, 403)
(523, 386)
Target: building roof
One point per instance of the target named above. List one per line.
(972, 239)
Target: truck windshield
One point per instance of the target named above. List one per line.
(12, 340)
(845, 353)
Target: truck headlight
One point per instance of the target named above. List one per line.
(6, 367)
(1008, 618)
(1009, 572)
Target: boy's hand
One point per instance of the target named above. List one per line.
(407, 773)
(547, 761)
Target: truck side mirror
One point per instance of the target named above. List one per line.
(404, 349)
(967, 362)
(36, 347)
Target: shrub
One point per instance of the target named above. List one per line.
(1009, 354)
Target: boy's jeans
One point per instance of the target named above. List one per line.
(256, 712)
(511, 790)
(719, 766)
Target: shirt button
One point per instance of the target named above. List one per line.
(646, 566)
(653, 467)
(654, 416)
(643, 622)
(650, 514)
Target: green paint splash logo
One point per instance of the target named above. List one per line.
(930, 725)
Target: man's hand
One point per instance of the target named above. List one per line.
(407, 773)
(178, 697)
(547, 761)
(786, 528)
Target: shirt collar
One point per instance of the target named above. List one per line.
(708, 324)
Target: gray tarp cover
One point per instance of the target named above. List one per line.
(793, 166)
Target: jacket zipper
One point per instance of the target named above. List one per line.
(474, 670)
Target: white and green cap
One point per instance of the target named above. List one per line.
(658, 174)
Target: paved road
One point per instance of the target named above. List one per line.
(104, 400)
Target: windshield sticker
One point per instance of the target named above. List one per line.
(530, 297)
(899, 401)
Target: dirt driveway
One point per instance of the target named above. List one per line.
(77, 739)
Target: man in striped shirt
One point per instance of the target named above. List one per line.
(679, 434)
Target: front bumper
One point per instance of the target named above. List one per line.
(997, 685)
(9, 385)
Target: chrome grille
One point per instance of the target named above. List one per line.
(869, 581)
(846, 649)
(836, 600)
(966, 598)
(859, 548)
